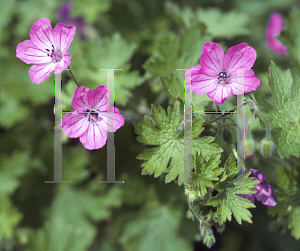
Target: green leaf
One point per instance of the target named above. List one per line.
(218, 24)
(111, 52)
(11, 168)
(32, 10)
(206, 172)
(90, 9)
(170, 145)
(184, 17)
(10, 217)
(223, 25)
(173, 52)
(172, 86)
(284, 114)
(6, 10)
(288, 200)
(72, 213)
(155, 227)
(176, 89)
(226, 201)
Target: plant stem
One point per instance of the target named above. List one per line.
(228, 124)
(73, 77)
(250, 102)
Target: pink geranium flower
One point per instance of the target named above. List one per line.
(219, 75)
(274, 27)
(47, 49)
(265, 193)
(92, 118)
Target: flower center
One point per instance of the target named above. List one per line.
(223, 77)
(92, 115)
(56, 55)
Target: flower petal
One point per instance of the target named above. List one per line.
(242, 81)
(274, 27)
(257, 175)
(99, 98)
(112, 121)
(30, 54)
(94, 138)
(265, 194)
(41, 35)
(195, 70)
(80, 99)
(241, 56)
(275, 24)
(211, 59)
(39, 72)
(63, 36)
(74, 124)
(220, 94)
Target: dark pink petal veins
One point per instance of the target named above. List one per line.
(41, 35)
(211, 59)
(39, 72)
(99, 98)
(94, 138)
(63, 36)
(80, 99)
(30, 54)
(243, 81)
(241, 56)
(74, 124)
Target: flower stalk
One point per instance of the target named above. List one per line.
(73, 77)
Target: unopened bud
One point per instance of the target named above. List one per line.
(192, 196)
(249, 148)
(266, 147)
(209, 240)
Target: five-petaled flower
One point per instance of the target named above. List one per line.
(274, 27)
(265, 193)
(92, 118)
(219, 75)
(47, 49)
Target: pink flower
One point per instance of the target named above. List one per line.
(220, 75)
(274, 27)
(93, 117)
(47, 49)
(265, 193)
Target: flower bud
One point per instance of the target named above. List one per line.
(249, 148)
(192, 196)
(209, 240)
(266, 147)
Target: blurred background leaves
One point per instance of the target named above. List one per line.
(147, 39)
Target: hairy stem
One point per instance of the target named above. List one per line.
(73, 77)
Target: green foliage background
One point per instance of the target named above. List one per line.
(148, 39)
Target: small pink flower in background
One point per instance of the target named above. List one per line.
(63, 14)
(47, 49)
(265, 193)
(92, 118)
(274, 27)
(219, 75)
